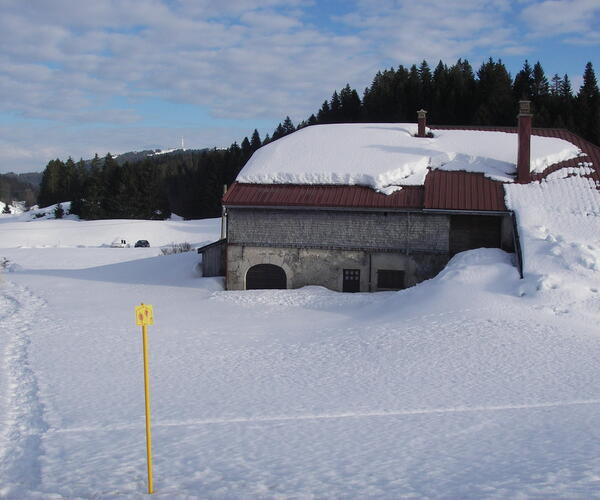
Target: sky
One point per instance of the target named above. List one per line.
(78, 78)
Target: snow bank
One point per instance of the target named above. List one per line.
(382, 155)
(16, 207)
(559, 225)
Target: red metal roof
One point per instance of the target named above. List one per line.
(292, 195)
(443, 190)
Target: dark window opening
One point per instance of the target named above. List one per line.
(265, 277)
(392, 279)
(351, 280)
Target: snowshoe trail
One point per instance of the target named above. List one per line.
(23, 423)
(8, 306)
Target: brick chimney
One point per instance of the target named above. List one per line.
(422, 120)
(524, 153)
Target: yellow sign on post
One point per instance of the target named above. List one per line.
(143, 318)
(143, 315)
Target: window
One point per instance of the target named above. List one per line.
(391, 279)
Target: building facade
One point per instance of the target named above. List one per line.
(349, 242)
(352, 238)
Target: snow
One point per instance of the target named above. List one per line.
(559, 223)
(474, 384)
(165, 151)
(382, 155)
(15, 207)
(27, 231)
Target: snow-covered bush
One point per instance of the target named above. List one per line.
(176, 248)
(59, 212)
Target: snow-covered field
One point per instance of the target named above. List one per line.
(472, 385)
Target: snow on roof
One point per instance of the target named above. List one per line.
(383, 155)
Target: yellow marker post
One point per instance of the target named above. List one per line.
(143, 318)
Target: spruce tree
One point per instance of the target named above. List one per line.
(540, 86)
(350, 106)
(413, 92)
(384, 100)
(426, 86)
(523, 84)
(288, 126)
(336, 108)
(278, 133)
(93, 190)
(494, 93)
(51, 187)
(246, 148)
(255, 141)
(323, 115)
(588, 106)
(441, 108)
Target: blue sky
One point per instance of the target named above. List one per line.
(78, 78)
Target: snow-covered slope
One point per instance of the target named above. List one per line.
(382, 155)
(474, 384)
(25, 230)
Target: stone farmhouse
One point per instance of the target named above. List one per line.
(288, 222)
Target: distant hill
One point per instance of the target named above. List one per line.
(20, 187)
(137, 156)
(33, 178)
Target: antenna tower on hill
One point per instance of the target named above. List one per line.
(182, 145)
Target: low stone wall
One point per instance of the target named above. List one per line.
(312, 266)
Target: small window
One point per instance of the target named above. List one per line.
(391, 279)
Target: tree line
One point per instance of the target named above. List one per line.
(191, 183)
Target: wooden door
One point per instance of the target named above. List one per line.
(266, 277)
(351, 282)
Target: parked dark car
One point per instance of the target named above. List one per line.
(142, 244)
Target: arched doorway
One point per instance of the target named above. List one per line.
(265, 277)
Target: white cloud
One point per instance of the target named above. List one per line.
(560, 17)
(67, 60)
(408, 31)
(239, 66)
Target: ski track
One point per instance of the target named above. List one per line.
(24, 425)
(341, 415)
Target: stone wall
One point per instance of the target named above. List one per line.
(399, 231)
(314, 247)
(323, 267)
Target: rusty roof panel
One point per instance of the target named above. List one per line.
(290, 195)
